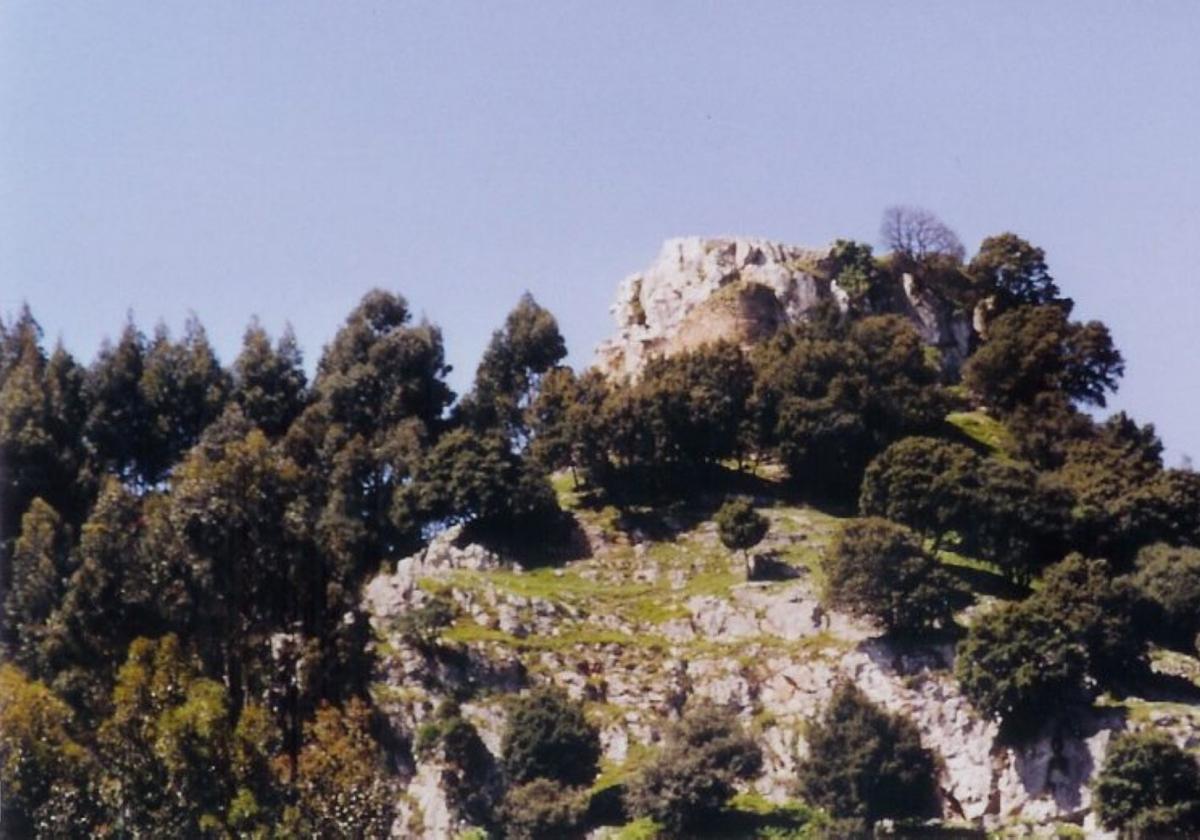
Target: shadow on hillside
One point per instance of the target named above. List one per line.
(1166, 688)
(987, 582)
(658, 508)
(536, 544)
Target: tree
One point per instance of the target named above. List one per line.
(105, 606)
(47, 775)
(1148, 787)
(117, 428)
(549, 737)
(1083, 596)
(741, 527)
(269, 382)
(40, 449)
(1013, 273)
(183, 388)
(171, 759)
(1021, 666)
(1032, 350)
(341, 786)
(476, 477)
(880, 569)
(1000, 511)
(542, 810)
(919, 482)
(507, 379)
(239, 552)
(856, 272)
(864, 765)
(692, 778)
(39, 567)
(826, 406)
(1167, 583)
(918, 234)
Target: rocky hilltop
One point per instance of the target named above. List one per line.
(742, 289)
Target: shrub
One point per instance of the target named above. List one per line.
(879, 569)
(1167, 582)
(542, 810)
(865, 765)
(1148, 787)
(1082, 595)
(740, 526)
(693, 777)
(549, 737)
(1019, 664)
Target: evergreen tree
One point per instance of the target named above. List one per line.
(184, 389)
(864, 765)
(341, 787)
(117, 428)
(705, 754)
(1148, 787)
(1013, 273)
(880, 569)
(741, 527)
(549, 737)
(269, 382)
(513, 364)
(103, 607)
(1033, 350)
(47, 775)
(39, 567)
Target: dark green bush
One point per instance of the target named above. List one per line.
(693, 777)
(864, 765)
(549, 737)
(880, 569)
(1148, 787)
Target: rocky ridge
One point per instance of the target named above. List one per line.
(742, 289)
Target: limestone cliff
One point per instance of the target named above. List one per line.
(743, 289)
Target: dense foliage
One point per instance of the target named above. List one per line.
(1148, 787)
(865, 765)
(704, 754)
(549, 737)
(880, 569)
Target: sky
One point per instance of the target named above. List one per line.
(241, 158)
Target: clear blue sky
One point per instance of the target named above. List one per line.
(234, 158)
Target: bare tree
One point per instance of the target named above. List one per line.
(917, 233)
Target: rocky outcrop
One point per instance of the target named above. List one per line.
(701, 290)
(768, 650)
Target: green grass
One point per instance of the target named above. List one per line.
(643, 829)
(985, 430)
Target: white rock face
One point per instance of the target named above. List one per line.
(741, 289)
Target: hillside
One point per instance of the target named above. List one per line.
(659, 613)
(826, 544)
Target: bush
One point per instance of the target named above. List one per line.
(879, 569)
(693, 777)
(1019, 665)
(865, 765)
(1167, 582)
(548, 737)
(1148, 787)
(1097, 610)
(542, 810)
(740, 526)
